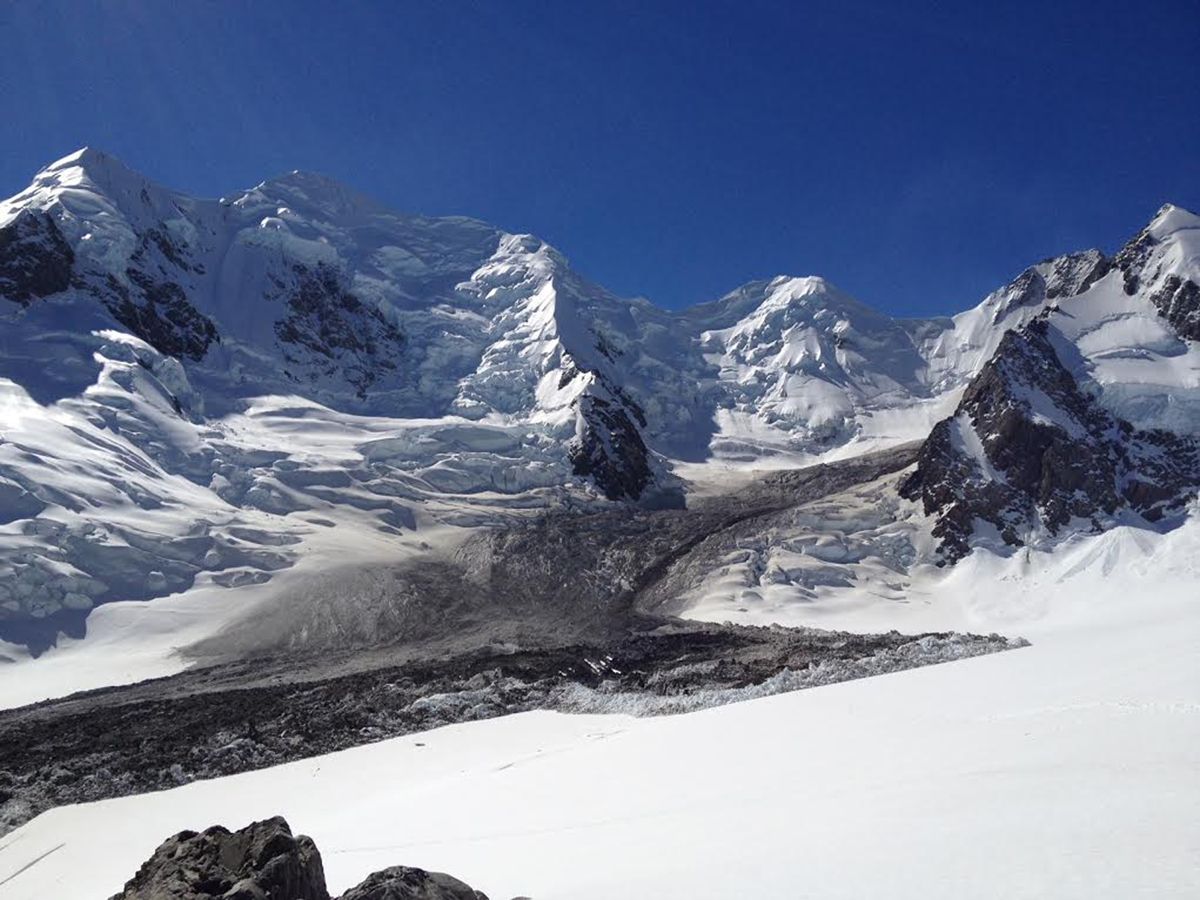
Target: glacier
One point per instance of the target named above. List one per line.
(204, 396)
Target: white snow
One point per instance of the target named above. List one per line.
(966, 440)
(801, 367)
(1121, 348)
(1069, 769)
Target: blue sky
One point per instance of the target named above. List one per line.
(916, 154)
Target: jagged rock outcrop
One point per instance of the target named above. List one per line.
(150, 300)
(1086, 415)
(264, 861)
(608, 445)
(1174, 295)
(1178, 300)
(1028, 452)
(35, 258)
(405, 883)
(328, 330)
(160, 314)
(1063, 276)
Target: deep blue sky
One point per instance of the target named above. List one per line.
(916, 154)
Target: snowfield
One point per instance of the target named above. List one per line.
(1070, 768)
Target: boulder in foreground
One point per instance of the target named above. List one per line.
(264, 861)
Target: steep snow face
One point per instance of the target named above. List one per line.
(364, 282)
(539, 336)
(548, 363)
(955, 353)
(1133, 341)
(799, 358)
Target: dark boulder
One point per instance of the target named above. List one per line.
(404, 883)
(262, 861)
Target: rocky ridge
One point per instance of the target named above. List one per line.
(1034, 448)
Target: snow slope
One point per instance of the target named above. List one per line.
(1121, 343)
(1068, 769)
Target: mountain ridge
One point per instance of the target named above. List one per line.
(214, 391)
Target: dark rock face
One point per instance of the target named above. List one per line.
(1132, 259)
(940, 483)
(160, 314)
(404, 883)
(154, 305)
(1075, 273)
(36, 261)
(261, 861)
(1054, 455)
(345, 335)
(610, 449)
(1178, 301)
(35, 258)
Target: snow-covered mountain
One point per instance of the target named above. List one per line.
(1086, 416)
(406, 357)
(201, 395)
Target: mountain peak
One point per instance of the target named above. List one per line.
(304, 188)
(801, 284)
(83, 157)
(84, 182)
(308, 180)
(92, 164)
(1171, 218)
(89, 172)
(813, 292)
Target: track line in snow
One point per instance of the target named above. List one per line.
(29, 865)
